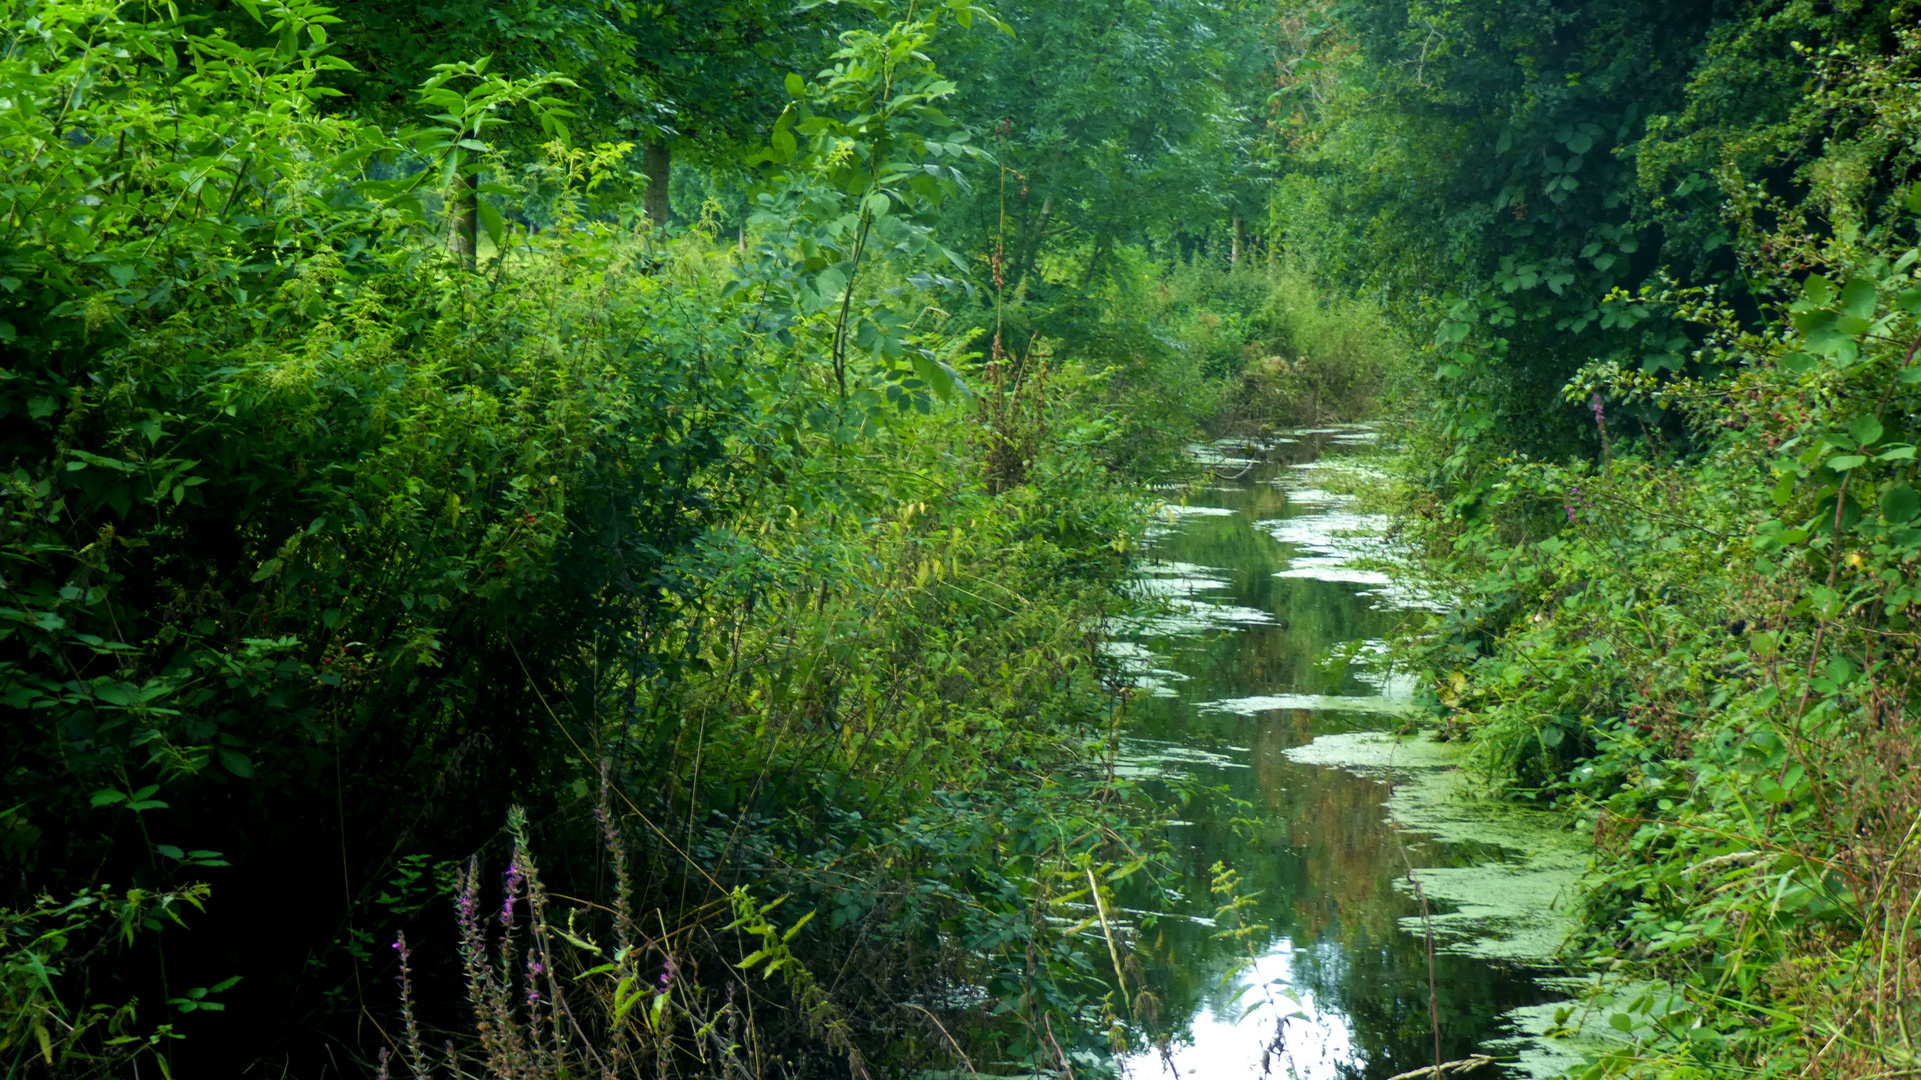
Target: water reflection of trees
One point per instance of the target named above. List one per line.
(1315, 842)
(1326, 860)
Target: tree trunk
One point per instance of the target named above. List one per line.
(656, 163)
(464, 230)
(1032, 242)
(1240, 242)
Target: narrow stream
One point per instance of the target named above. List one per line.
(1335, 820)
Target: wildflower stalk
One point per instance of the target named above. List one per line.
(493, 1021)
(540, 951)
(416, 1055)
(623, 914)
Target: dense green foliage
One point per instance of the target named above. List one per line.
(1666, 255)
(701, 438)
(345, 511)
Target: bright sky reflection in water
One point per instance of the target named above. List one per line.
(1297, 1037)
(1260, 572)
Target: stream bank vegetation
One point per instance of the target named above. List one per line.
(523, 561)
(1665, 261)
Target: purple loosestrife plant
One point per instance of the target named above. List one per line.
(511, 1041)
(623, 901)
(416, 1055)
(526, 1029)
(493, 1013)
(540, 950)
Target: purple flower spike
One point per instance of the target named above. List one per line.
(469, 903)
(512, 891)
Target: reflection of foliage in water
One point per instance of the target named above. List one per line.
(1312, 845)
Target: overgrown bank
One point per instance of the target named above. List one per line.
(350, 517)
(1665, 464)
(452, 611)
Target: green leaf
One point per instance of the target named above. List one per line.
(107, 795)
(796, 86)
(236, 763)
(1900, 504)
(1844, 462)
(490, 220)
(1821, 330)
(1858, 297)
(795, 929)
(1866, 430)
(627, 993)
(267, 570)
(120, 694)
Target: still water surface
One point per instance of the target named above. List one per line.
(1234, 691)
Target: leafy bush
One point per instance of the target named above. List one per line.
(1707, 657)
(344, 513)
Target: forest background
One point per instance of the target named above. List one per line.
(680, 456)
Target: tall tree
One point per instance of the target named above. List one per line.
(718, 67)
(1113, 123)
